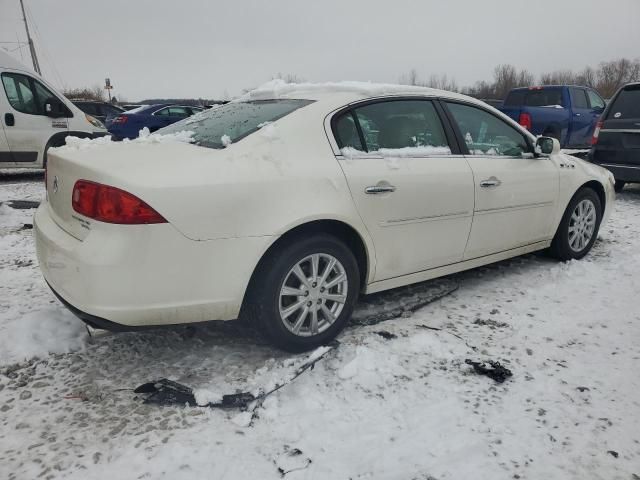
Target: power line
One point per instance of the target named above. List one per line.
(32, 48)
(44, 49)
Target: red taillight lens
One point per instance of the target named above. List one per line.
(120, 119)
(525, 120)
(111, 205)
(596, 133)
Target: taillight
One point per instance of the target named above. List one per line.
(596, 133)
(525, 120)
(111, 205)
(120, 119)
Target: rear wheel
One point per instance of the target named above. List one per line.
(619, 185)
(578, 229)
(304, 292)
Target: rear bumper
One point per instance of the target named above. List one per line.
(120, 277)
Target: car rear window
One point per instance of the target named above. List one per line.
(218, 127)
(626, 104)
(515, 98)
(544, 98)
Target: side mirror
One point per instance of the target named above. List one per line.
(54, 108)
(546, 146)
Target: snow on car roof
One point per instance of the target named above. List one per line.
(314, 91)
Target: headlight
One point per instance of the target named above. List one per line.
(94, 121)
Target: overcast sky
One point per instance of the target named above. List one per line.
(198, 48)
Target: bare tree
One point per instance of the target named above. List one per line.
(288, 77)
(88, 93)
(410, 78)
(614, 74)
(442, 82)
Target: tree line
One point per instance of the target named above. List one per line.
(606, 78)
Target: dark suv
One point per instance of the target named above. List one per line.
(99, 110)
(616, 139)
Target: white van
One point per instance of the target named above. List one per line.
(34, 117)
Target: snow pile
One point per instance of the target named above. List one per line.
(279, 88)
(145, 137)
(40, 333)
(423, 151)
(225, 140)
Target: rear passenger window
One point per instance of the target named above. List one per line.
(486, 134)
(579, 98)
(347, 133)
(400, 127)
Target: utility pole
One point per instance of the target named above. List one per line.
(32, 49)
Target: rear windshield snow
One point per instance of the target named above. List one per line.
(626, 104)
(221, 126)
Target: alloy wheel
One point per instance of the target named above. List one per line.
(313, 294)
(582, 225)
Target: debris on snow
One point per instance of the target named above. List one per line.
(291, 460)
(386, 335)
(399, 302)
(166, 392)
(496, 371)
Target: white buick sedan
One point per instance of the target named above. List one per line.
(286, 205)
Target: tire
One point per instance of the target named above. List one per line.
(566, 246)
(265, 307)
(619, 185)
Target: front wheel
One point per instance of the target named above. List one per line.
(579, 226)
(304, 292)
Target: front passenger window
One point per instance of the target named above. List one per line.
(486, 134)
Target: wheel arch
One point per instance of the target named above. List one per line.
(598, 188)
(339, 228)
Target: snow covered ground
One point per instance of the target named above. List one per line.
(401, 408)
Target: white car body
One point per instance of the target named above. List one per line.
(226, 207)
(25, 137)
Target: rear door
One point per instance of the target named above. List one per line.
(27, 128)
(581, 120)
(515, 193)
(410, 185)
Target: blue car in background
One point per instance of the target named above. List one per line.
(566, 112)
(128, 124)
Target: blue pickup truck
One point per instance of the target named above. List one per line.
(568, 113)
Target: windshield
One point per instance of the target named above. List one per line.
(220, 126)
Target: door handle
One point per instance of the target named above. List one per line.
(577, 114)
(9, 119)
(490, 182)
(375, 189)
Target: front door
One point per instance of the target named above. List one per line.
(515, 193)
(414, 194)
(28, 129)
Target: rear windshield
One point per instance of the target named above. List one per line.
(546, 97)
(626, 104)
(218, 127)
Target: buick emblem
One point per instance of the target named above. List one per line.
(55, 184)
